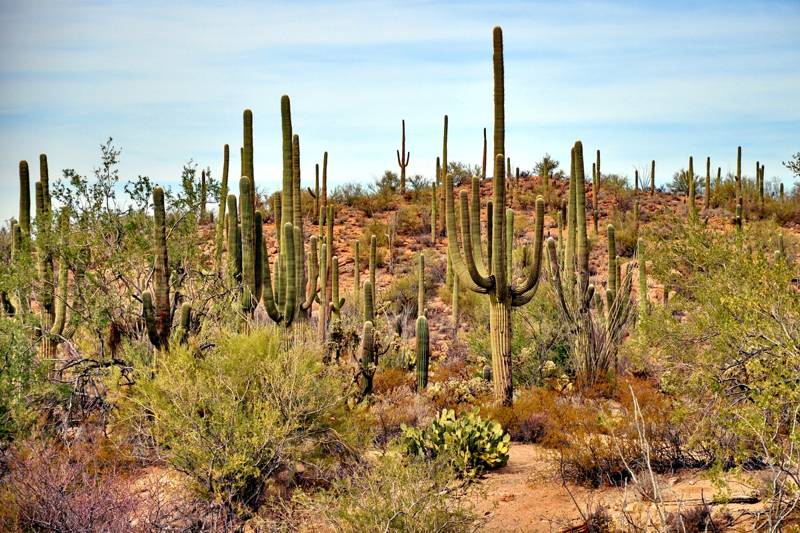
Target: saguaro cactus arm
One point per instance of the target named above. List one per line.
(523, 294)
(465, 268)
(313, 275)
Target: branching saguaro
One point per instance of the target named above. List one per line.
(403, 158)
(492, 277)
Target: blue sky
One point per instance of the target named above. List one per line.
(169, 81)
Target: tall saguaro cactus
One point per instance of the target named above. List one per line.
(157, 313)
(483, 161)
(247, 148)
(652, 177)
(691, 192)
(708, 183)
(219, 231)
(496, 285)
(738, 172)
(24, 199)
(403, 158)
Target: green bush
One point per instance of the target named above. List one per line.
(471, 444)
(394, 494)
(252, 406)
(728, 342)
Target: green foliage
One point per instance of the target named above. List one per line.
(680, 183)
(462, 173)
(469, 443)
(793, 164)
(729, 340)
(394, 494)
(230, 429)
(21, 378)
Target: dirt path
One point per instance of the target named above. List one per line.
(528, 495)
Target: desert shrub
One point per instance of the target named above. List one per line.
(379, 229)
(598, 440)
(394, 494)
(388, 379)
(730, 343)
(413, 220)
(469, 443)
(680, 183)
(21, 379)
(399, 300)
(398, 407)
(539, 336)
(529, 419)
(458, 394)
(80, 487)
(697, 519)
(349, 194)
(231, 430)
(626, 232)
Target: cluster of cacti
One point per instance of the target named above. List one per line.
(760, 183)
(594, 348)
(491, 277)
(44, 255)
(403, 158)
(320, 196)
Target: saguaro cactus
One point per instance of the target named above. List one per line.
(24, 199)
(738, 172)
(652, 177)
(247, 212)
(496, 284)
(203, 194)
(434, 207)
(708, 183)
(373, 259)
(594, 345)
(234, 241)
(356, 273)
(221, 220)
(247, 148)
(691, 192)
(157, 313)
(403, 158)
(641, 259)
(285, 299)
(483, 161)
(367, 357)
(423, 351)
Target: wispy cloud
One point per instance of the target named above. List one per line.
(168, 81)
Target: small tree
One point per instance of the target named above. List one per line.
(793, 165)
